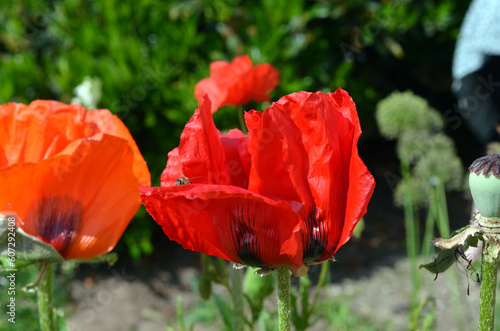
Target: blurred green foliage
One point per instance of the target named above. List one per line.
(26, 312)
(428, 154)
(149, 54)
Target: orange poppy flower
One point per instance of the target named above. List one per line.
(237, 83)
(71, 175)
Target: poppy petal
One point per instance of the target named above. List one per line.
(306, 142)
(228, 222)
(237, 83)
(201, 151)
(86, 222)
(208, 86)
(112, 125)
(361, 181)
(45, 127)
(30, 134)
(173, 170)
(264, 79)
(206, 155)
(235, 147)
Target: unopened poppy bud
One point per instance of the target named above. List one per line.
(484, 182)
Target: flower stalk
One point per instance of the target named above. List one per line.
(241, 119)
(236, 289)
(45, 298)
(284, 315)
(484, 183)
(487, 296)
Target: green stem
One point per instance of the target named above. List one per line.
(180, 314)
(443, 219)
(44, 295)
(241, 119)
(236, 291)
(427, 247)
(443, 223)
(411, 234)
(284, 315)
(321, 280)
(487, 296)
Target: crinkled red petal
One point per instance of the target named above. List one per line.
(237, 83)
(206, 156)
(304, 149)
(228, 222)
(173, 170)
(200, 150)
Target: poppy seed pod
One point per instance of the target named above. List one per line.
(484, 182)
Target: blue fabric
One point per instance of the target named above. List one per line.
(476, 69)
(479, 37)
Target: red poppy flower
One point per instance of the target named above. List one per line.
(70, 174)
(304, 148)
(237, 83)
(306, 187)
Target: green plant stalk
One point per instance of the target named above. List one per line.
(180, 314)
(443, 221)
(411, 235)
(487, 296)
(443, 224)
(241, 119)
(236, 292)
(45, 298)
(284, 315)
(460, 313)
(427, 247)
(321, 280)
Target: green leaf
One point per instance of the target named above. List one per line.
(110, 258)
(442, 262)
(19, 246)
(225, 311)
(358, 230)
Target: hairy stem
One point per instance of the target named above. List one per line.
(284, 315)
(236, 289)
(44, 296)
(487, 296)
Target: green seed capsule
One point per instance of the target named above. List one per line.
(484, 182)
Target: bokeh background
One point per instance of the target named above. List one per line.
(149, 54)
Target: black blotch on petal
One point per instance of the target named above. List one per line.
(56, 220)
(245, 241)
(314, 235)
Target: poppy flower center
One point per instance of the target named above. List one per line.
(56, 220)
(314, 235)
